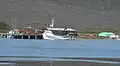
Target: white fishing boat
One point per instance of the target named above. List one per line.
(53, 33)
(59, 34)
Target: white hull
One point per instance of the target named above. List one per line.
(50, 36)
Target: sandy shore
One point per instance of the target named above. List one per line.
(42, 63)
(58, 63)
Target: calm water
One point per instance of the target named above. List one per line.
(59, 48)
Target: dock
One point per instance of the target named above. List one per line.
(21, 36)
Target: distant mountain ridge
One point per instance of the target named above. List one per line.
(69, 13)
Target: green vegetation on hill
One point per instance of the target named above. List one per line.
(4, 27)
(98, 30)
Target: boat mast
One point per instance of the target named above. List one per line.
(53, 22)
(13, 23)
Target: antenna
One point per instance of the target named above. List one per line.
(53, 22)
(13, 23)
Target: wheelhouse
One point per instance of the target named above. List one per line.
(63, 31)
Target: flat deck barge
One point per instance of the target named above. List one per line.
(21, 36)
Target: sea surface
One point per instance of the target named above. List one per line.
(39, 49)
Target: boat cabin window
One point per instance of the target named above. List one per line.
(60, 32)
